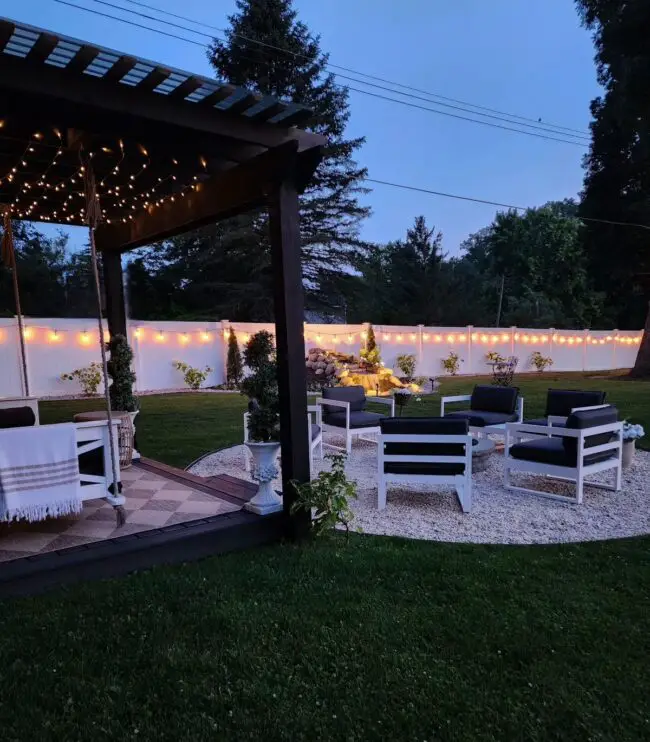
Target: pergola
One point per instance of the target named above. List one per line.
(170, 152)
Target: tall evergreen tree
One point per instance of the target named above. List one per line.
(617, 178)
(268, 50)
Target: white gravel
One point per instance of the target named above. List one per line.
(497, 516)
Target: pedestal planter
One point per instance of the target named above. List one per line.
(264, 471)
(629, 448)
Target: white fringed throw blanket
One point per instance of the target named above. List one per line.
(39, 472)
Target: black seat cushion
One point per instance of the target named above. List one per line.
(17, 417)
(560, 402)
(315, 431)
(586, 419)
(479, 419)
(357, 419)
(423, 426)
(355, 395)
(552, 451)
(501, 399)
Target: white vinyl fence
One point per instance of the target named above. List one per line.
(56, 346)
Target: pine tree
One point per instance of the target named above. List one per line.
(370, 354)
(234, 364)
(330, 212)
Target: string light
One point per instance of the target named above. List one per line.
(138, 333)
(84, 338)
(160, 337)
(54, 336)
(28, 333)
(205, 337)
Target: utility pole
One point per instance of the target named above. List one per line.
(503, 283)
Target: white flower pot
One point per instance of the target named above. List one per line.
(628, 453)
(264, 471)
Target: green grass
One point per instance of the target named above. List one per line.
(178, 428)
(384, 639)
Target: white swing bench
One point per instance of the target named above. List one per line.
(93, 436)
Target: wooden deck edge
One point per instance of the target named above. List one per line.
(183, 542)
(236, 492)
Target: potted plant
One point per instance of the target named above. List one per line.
(261, 388)
(402, 396)
(631, 433)
(123, 378)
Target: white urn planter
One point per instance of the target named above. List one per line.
(629, 448)
(264, 471)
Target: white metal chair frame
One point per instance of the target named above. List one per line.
(487, 429)
(91, 436)
(314, 444)
(515, 432)
(351, 433)
(462, 483)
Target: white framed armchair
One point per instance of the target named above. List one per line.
(589, 442)
(314, 413)
(344, 407)
(490, 408)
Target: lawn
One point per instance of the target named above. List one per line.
(383, 639)
(379, 639)
(178, 428)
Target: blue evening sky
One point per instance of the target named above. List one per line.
(530, 59)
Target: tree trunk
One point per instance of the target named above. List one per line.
(641, 368)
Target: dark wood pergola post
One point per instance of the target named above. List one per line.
(284, 226)
(114, 293)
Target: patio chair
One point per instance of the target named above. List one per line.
(490, 408)
(561, 402)
(345, 407)
(425, 450)
(590, 442)
(315, 437)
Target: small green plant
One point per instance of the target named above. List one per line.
(406, 364)
(89, 377)
(193, 377)
(494, 357)
(540, 362)
(328, 497)
(370, 355)
(451, 364)
(261, 388)
(234, 363)
(123, 378)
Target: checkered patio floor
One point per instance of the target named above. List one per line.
(151, 502)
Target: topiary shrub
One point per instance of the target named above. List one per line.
(234, 363)
(370, 355)
(261, 388)
(123, 378)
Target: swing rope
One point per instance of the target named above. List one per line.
(93, 217)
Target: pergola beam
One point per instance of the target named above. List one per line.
(231, 192)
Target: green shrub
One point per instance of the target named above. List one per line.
(451, 364)
(494, 357)
(406, 364)
(328, 497)
(370, 355)
(234, 363)
(89, 377)
(123, 378)
(261, 388)
(540, 362)
(193, 377)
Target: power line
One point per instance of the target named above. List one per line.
(348, 87)
(204, 24)
(496, 203)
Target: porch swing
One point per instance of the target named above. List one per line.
(43, 468)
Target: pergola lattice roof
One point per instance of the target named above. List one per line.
(170, 149)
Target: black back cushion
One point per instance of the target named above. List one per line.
(494, 399)
(560, 402)
(355, 395)
(423, 426)
(17, 417)
(589, 419)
